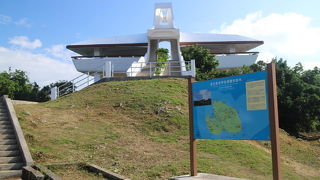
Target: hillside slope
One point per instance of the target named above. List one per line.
(139, 129)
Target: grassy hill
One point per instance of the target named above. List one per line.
(139, 129)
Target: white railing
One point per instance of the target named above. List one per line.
(136, 67)
(71, 86)
(170, 68)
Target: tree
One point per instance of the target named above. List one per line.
(259, 66)
(206, 63)
(162, 59)
(16, 85)
(7, 86)
(44, 94)
(298, 97)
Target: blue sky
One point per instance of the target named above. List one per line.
(33, 33)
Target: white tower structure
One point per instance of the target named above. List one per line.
(163, 16)
(163, 30)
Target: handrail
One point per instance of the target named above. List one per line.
(66, 87)
(81, 80)
(77, 77)
(85, 82)
(170, 66)
(71, 80)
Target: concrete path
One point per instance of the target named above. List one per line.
(204, 176)
(23, 102)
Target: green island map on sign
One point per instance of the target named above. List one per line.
(224, 118)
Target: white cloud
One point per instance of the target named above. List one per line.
(5, 19)
(206, 94)
(60, 51)
(288, 35)
(41, 68)
(23, 41)
(23, 22)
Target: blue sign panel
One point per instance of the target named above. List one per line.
(234, 107)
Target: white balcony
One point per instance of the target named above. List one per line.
(96, 64)
(131, 67)
(228, 61)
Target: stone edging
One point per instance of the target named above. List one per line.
(106, 173)
(48, 174)
(30, 173)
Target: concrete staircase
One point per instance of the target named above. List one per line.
(173, 70)
(145, 71)
(11, 162)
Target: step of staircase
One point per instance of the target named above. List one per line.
(11, 166)
(6, 131)
(7, 147)
(3, 114)
(5, 122)
(7, 136)
(13, 159)
(9, 153)
(8, 142)
(10, 174)
(5, 118)
(5, 126)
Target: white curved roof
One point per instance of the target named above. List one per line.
(137, 44)
(211, 37)
(127, 39)
(184, 37)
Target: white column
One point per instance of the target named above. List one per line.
(96, 77)
(73, 86)
(96, 52)
(193, 68)
(108, 69)
(54, 93)
(232, 50)
(88, 77)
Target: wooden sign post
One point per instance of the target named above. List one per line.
(193, 143)
(274, 121)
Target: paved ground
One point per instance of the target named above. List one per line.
(204, 176)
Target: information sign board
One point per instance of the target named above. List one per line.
(234, 107)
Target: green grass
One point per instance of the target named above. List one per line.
(139, 129)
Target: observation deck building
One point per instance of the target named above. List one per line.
(135, 55)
